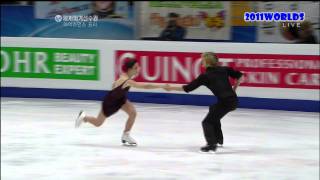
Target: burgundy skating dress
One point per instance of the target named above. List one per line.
(114, 100)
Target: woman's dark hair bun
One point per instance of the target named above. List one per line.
(128, 64)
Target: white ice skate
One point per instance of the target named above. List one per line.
(80, 119)
(127, 140)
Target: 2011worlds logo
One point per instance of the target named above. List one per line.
(293, 17)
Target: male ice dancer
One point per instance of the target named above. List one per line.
(216, 78)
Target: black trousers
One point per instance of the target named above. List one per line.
(211, 123)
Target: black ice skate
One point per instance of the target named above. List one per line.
(208, 149)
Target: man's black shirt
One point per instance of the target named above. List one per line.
(217, 80)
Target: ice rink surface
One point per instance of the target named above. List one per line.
(39, 141)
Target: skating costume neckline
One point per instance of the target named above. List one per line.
(120, 86)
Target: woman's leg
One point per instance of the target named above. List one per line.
(132, 113)
(97, 121)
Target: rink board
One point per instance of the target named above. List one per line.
(275, 78)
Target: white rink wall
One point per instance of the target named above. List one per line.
(278, 77)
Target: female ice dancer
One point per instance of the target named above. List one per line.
(216, 78)
(116, 99)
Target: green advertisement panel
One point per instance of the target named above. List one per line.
(50, 63)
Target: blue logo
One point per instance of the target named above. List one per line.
(274, 16)
(58, 18)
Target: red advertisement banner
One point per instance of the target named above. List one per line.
(261, 70)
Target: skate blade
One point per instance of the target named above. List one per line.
(209, 152)
(76, 124)
(128, 144)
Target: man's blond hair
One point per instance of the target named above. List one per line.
(210, 58)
